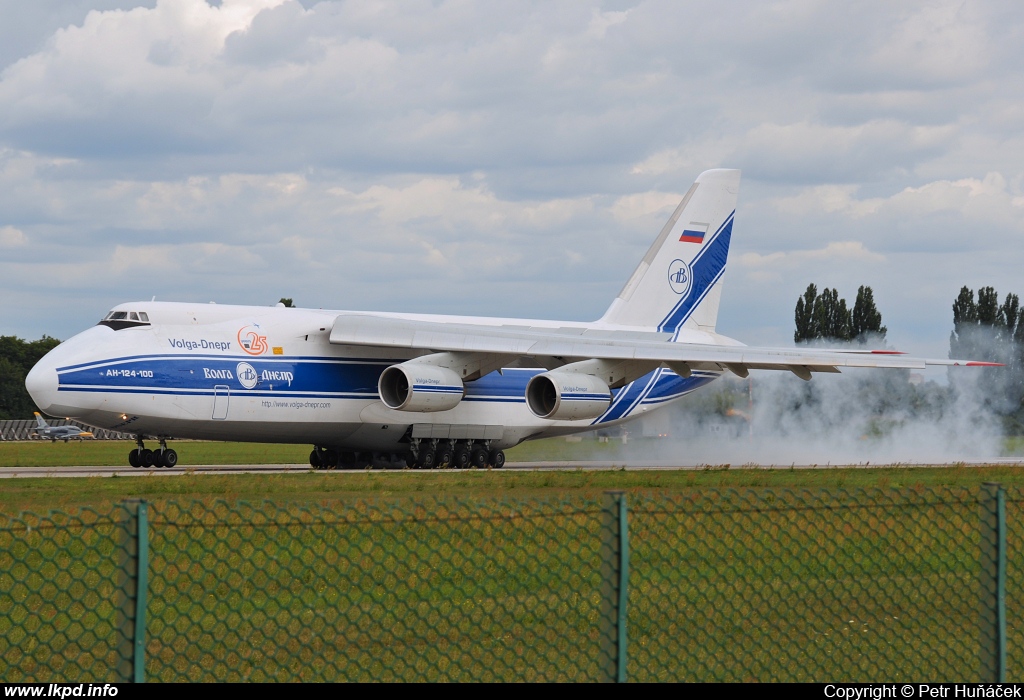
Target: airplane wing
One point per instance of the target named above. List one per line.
(569, 344)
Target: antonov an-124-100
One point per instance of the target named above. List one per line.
(391, 389)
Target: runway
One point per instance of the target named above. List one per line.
(109, 471)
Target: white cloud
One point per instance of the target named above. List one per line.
(935, 43)
(11, 237)
(600, 22)
(644, 204)
(452, 204)
(806, 150)
(779, 265)
(984, 200)
(828, 199)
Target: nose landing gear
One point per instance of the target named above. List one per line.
(162, 457)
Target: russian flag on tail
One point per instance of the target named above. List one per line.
(694, 233)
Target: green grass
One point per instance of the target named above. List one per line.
(93, 453)
(34, 453)
(110, 452)
(42, 494)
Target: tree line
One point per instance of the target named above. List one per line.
(826, 316)
(983, 329)
(17, 357)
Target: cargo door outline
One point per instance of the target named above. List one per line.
(221, 398)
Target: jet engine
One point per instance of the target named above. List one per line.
(413, 386)
(567, 396)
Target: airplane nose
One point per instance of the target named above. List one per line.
(41, 383)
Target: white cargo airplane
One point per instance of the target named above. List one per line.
(423, 390)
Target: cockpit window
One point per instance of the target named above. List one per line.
(119, 320)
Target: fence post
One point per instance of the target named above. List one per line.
(993, 583)
(141, 596)
(138, 511)
(615, 582)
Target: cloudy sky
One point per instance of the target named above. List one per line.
(504, 158)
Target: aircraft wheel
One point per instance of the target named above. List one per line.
(170, 458)
(148, 458)
(478, 457)
(410, 460)
(443, 456)
(133, 458)
(497, 459)
(314, 459)
(460, 456)
(427, 459)
(330, 460)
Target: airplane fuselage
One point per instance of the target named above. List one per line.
(271, 374)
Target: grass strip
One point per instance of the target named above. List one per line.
(42, 494)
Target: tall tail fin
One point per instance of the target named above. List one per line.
(679, 282)
(40, 423)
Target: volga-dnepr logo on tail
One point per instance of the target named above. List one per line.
(679, 277)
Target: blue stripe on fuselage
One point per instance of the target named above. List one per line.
(189, 374)
(324, 377)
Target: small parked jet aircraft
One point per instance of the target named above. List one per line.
(423, 390)
(58, 432)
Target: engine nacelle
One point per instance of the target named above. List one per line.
(567, 396)
(419, 387)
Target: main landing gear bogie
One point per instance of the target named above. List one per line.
(141, 457)
(456, 454)
(426, 454)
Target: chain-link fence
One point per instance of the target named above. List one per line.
(68, 595)
(444, 590)
(788, 585)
